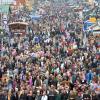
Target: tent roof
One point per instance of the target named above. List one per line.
(24, 23)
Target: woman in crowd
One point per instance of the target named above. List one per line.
(50, 65)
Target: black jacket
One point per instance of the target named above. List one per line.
(23, 97)
(64, 96)
(12, 97)
(30, 98)
(86, 96)
(3, 97)
(0, 73)
(94, 98)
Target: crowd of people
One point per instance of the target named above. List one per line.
(50, 65)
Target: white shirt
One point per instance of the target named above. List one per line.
(16, 71)
(44, 97)
(62, 65)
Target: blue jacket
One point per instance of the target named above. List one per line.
(89, 76)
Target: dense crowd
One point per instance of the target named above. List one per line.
(52, 65)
